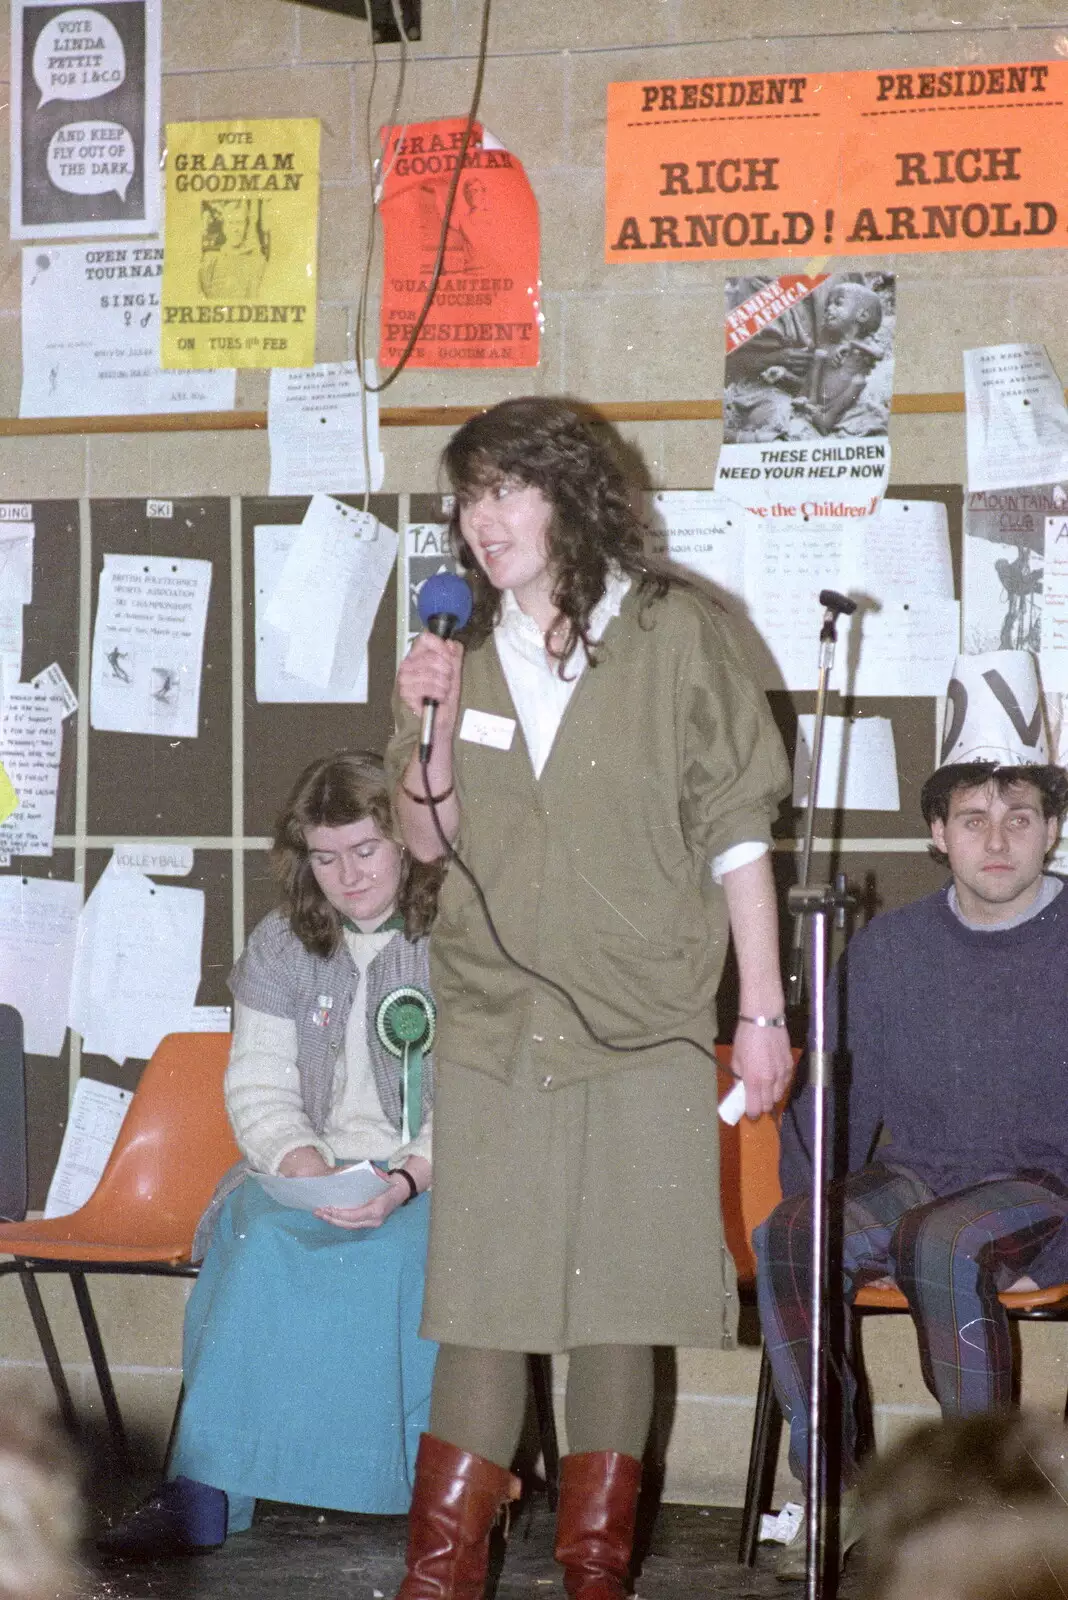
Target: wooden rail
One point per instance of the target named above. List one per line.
(415, 416)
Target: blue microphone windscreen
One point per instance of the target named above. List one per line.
(446, 595)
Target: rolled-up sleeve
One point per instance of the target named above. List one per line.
(735, 772)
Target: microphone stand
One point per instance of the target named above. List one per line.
(835, 605)
(812, 905)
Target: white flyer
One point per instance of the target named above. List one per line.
(274, 684)
(317, 420)
(329, 590)
(38, 932)
(1003, 550)
(858, 764)
(703, 532)
(90, 336)
(53, 679)
(1017, 422)
(97, 1112)
(148, 645)
(31, 744)
(85, 103)
(138, 964)
(1054, 659)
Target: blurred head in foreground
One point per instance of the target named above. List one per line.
(40, 1506)
(970, 1509)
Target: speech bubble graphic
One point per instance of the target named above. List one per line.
(78, 56)
(91, 158)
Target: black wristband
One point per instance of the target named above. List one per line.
(401, 1172)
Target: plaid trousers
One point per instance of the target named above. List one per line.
(948, 1255)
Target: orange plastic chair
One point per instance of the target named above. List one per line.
(757, 1155)
(174, 1145)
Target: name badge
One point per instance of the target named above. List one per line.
(482, 727)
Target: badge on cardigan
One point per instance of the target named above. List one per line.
(405, 1023)
(482, 727)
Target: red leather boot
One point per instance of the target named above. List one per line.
(457, 1499)
(595, 1523)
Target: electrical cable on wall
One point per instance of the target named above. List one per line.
(417, 326)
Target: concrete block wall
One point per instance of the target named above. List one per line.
(628, 332)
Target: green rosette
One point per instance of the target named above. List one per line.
(405, 1024)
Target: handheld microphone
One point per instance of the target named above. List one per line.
(445, 606)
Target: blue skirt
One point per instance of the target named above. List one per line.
(305, 1376)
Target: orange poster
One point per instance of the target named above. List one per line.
(486, 308)
(838, 163)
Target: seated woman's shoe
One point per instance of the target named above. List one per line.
(182, 1518)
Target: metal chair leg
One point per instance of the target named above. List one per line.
(541, 1377)
(763, 1459)
(100, 1367)
(173, 1435)
(43, 1328)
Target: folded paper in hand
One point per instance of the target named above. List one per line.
(348, 1187)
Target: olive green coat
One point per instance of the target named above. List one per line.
(576, 1189)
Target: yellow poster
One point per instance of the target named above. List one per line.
(239, 260)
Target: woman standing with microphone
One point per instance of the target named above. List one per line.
(609, 770)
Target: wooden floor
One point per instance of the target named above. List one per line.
(291, 1552)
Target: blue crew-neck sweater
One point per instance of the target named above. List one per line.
(955, 1047)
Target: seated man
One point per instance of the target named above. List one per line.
(952, 1014)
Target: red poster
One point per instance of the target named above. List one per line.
(486, 308)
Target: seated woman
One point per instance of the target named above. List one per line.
(305, 1377)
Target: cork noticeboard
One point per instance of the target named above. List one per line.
(221, 791)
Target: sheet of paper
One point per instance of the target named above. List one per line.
(786, 566)
(315, 424)
(329, 591)
(883, 553)
(97, 1111)
(701, 531)
(16, 561)
(907, 647)
(1017, 422)
(38, 932)
(31, 743)
(274, 685)
(54, 679)
(148, 645)
(138, 964)
(85, 98)
(352, 1186)
(1004, 548)
(155, 860)
(209, 1019)
(8, 798)
(1054, 664)
(858, 765)
(90, 336)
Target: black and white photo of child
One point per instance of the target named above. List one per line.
(823, 367)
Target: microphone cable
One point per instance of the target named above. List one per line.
(558, 989)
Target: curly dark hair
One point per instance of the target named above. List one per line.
(544, 443)
(332, 791)
(1050, 781)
